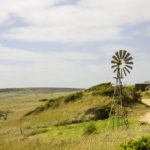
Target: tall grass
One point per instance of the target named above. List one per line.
(37, 132)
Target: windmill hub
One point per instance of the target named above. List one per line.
(122, 64)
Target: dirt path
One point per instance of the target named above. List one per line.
(146, 101)
(146, 117)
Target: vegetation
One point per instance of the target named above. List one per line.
(101, 112)
(104, 89)
(73, 97)
(130, 95)
(90, 129)
(56, 124)
(146, 94)
(140, 144)
(52, 103)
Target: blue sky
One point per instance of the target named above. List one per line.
(69, 43)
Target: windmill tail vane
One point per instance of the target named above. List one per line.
(122, 65)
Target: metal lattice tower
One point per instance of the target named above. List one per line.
(121, 65)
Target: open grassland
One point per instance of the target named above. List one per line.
(60, 121)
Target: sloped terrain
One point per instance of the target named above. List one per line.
(78, 107)
(67, 120)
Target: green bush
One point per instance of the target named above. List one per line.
(43, 100)
(101, 112)
(52, 103)
(73, 97)
(90, 129)
(99, 87)
(140, 144)
(146, 93)
(130, 95)
(104, 92)
(35, 131)
(104, 89)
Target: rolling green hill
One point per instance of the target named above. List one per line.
(67, 119)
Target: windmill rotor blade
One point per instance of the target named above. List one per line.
(124, 72)
(117, 55)
(128, 59)
(124, 53)
(120, 53)
(129, 67)
(114, 62)
(126, 69)
(115, 70)
(130, 63)
(114, 66)
(115, 58)
(128, 54)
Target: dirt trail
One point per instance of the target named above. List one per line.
(146, 117)
(146, 101)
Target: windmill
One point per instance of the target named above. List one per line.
(121, 65)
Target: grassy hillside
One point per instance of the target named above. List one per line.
(61, 120)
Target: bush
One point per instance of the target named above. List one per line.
(99, 112)
(90, 129)
(73, 97)
(130, 95)
(52, 103)
(146, 94)
(104, 92)
(43, 100)
(99, 87)
(140, 144)
(104, 89)
(35, 131)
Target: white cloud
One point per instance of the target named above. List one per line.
(67, 68)
(89, 20)
(70, 69)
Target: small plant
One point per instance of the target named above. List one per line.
(73, 97)
(140, 144)
(43, 100)
(36, 131)
(90, 129)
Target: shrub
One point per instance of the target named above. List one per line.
(73, 97)
(104, 89)
(146, 93)
(104, 92)
(99, 87)
(140, 144)
(99, 112)
(90, 129)
(35, 131)
(4, 114)
(130, 95)
(52, 103)
(43, 100)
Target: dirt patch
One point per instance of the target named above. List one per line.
(146, 102)
(146, 118)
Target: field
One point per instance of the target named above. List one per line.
(52, 119)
